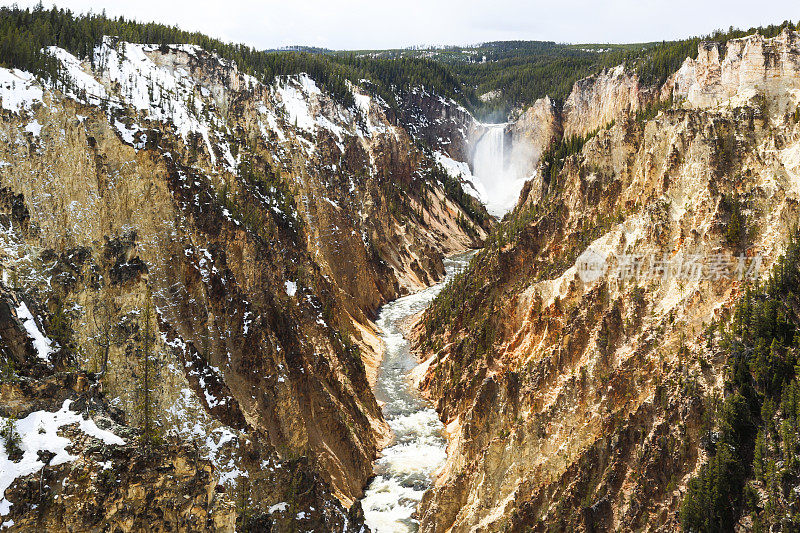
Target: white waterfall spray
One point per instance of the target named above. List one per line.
(498, 169)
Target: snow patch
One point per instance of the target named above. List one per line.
(296, 106)
(163, 94)
(39, 431)
(18, 90)
(291, 288)
(278, 508)
(43, 345)
(460, 171)
(81, 85)
(34, 128)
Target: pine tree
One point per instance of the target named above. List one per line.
(104, 337)
(759, 455)
(147, 379)
(11, 438)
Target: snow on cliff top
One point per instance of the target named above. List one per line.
(18, 90)
(162, 93)
(161, 88)
(296, 102)
(83, 85)
(126, 75)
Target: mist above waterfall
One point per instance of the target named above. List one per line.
(500, 168)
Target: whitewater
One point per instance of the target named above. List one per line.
(406, 468)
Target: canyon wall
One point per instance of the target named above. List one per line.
(597, 100)
(575, 398)
(744, 69)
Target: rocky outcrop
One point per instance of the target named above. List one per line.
(91, 472)
(124, 490)
(443, 124)
(574, 395)
(536, 124)
(533, 132)
(745, 68)
(597, 100)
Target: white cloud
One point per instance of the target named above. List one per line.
(354, 24)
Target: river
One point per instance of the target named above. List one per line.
(405, 469)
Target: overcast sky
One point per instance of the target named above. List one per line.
(355, 24)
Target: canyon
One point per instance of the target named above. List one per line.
(232, 303)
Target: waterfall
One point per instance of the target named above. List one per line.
(489, 157)
(496, 171)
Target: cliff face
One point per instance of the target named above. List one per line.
(597, 100)
(536, 125)
(443, 124)
(744, 69)
(574, 383)
(70, 462)
(532, 133)
(261, 225)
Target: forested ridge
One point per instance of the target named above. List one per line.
(519, 71)
(24, 33)
(523, 71)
